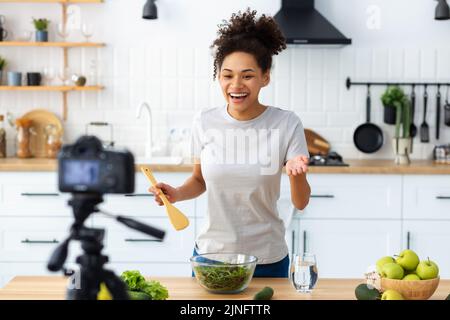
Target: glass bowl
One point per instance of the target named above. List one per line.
(224, 272)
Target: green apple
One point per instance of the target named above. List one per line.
(411, 277)
(381, 262)
(427, 269)
(392, 271)
(408, 260)
(391, 295)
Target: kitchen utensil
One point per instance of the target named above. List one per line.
(424, 129)
(34, 78)
(368, 137)
(177, 218)
(447, 109)
(316, 144)
(438, 111)
(411, 289)
(224, 272)
(41, 118)
(303, 272)
(106, 143)
(413, 127)
(14, 78)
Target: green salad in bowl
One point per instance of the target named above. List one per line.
(224, 272)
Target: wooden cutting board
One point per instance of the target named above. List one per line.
(316, 143)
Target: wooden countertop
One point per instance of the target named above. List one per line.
(356, 167)
(186, 288)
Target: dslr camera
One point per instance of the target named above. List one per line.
(86, 167)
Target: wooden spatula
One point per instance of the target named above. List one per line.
(176, 217)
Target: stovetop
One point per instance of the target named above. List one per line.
(332, 159)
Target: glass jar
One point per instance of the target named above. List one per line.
(53, 141)
(23, 138)
(2, 138)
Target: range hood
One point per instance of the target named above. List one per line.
(301, 23)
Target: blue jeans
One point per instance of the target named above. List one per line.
(278, 269)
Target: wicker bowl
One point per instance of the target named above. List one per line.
(411, 290)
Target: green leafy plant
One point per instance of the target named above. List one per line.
(224, 277)
(2, 63)
(41, 24)
(395, 97)
(136, 283)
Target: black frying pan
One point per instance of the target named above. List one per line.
(368, 137)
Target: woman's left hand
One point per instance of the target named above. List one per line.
(297, 165)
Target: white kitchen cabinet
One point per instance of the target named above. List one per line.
(429, 239)
(33, 239)
(123, 244)
(426, 197)
(346, 248)
(354, 196)
(32, 194)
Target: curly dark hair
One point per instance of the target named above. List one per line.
(260, 37)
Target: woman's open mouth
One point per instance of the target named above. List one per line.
(238, 97)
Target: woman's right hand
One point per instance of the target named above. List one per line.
(171, 193)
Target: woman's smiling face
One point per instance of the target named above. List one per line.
(241, 79)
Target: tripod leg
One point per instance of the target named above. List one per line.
(115, 285)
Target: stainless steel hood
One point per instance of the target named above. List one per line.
(301, 23)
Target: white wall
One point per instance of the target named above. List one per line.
(167, 62)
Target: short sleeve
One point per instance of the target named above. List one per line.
(196, 138)
(297, 141)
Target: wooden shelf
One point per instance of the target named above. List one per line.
(51, 44)
(51, 88)
(52, 1)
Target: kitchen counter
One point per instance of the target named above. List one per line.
(356, 167)
(186, 288)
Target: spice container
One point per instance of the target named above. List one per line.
(2, 138)
(53, 141)
(23, 138)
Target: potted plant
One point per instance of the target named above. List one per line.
(392, 96)
(402, 141)
(41, 26)
(2, 66)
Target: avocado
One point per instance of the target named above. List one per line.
(265, 294)
(365, 292)
(136, 295)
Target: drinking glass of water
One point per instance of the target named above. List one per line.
(303, 272)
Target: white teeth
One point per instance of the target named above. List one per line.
(237, 95)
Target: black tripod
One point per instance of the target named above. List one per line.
(92, 273)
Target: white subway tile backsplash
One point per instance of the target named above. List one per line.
(186, 93)
(428, 64)
(396, 64)
(363, 63)
(314, 95)
(380, 64)
(186, 62)
(315, 64)
(282, 94)
(412, 64)
(169, 62)
(177, 82)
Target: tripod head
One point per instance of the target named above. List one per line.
(92, 261)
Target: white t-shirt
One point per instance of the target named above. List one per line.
(241, 164)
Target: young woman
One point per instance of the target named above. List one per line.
(241, 148)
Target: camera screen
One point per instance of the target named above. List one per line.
(84, 172)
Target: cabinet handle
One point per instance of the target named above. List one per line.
(408, 240)
(143, 240)
(443, 197)
(33, 194)
(304, 241)
(140, 195)
(39, 241)
(327, 196)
